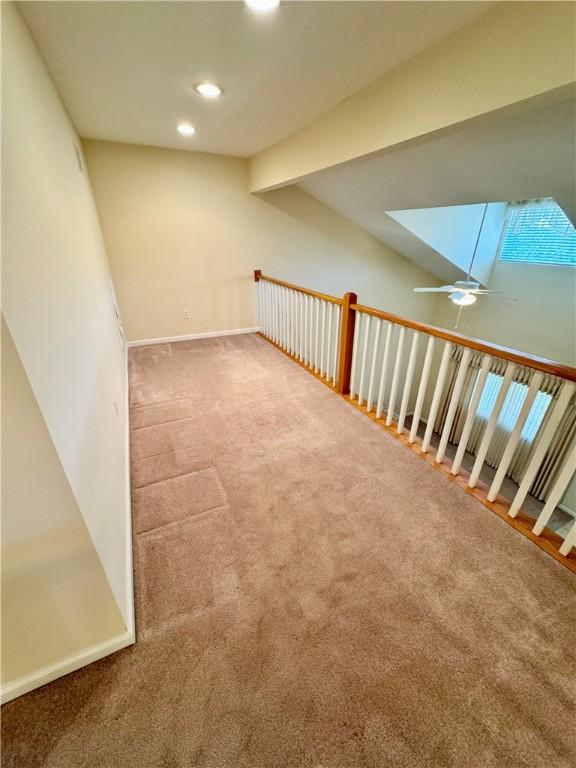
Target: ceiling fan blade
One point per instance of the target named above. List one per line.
(485, 290)
(440, 289)
(496, 294)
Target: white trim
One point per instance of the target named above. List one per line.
(45, 675)
(190, 337)
(128, 612)
(566, 509)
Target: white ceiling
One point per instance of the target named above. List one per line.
(516, 158)
(126, 70)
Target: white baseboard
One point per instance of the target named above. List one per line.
(190, 337)
(47, 674)
(128, 612)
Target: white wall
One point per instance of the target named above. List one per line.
(56, 600)
(542, 321)
(452, 232)
(183, 233)
(57, 301)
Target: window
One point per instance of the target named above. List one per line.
(539, 232)
(512, 405)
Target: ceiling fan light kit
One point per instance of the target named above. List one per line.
(464, 292)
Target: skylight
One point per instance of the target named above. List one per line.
(539, 232)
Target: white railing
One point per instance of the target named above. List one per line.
(423, 382)
(303, 324)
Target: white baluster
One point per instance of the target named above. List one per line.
(364, 357)
(265, 287)
(471, 415)
(564, 397)
(260, 307)
(491, 425)
(457, 391)
(311, 363)
(514, 438)
(301, 298)
(384, 371)
(317, 339)
(408, 382)
(290, 322)
(395, 377)
(555, 495)
(329, 341)
(277, 312)
(569, 541)
(294, 324)
(438, 391)
(274, 304)
(370, 400)
(286, 316)
(279, 300)
(287, 320)
(336, 344)
(322, 342)
(305, 337)
(422, 390)
(355, 352)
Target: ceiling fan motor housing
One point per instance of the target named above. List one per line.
(466, 285)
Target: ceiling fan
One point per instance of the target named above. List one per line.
(463, 292)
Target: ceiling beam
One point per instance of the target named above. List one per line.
(516, 56)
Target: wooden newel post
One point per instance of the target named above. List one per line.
(257, 273)
(346, 343)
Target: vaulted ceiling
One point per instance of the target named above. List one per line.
(522, 157)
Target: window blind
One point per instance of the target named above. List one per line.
(512, 405)
(539, 232)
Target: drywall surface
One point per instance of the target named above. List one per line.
(184, 235)
(58, 300)
(542, 321)
(56, 600)
(512, 54)
(452, 231)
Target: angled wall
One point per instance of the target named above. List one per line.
(58, 306)
(57, 604)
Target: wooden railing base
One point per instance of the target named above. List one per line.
(549, 541)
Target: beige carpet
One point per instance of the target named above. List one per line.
(310, 594)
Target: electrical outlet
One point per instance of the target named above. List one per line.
(186, 314)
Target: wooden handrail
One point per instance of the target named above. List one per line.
(324, 296)
(511, 355)
(297, 330)
(504, 353)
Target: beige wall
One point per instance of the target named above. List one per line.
(56, 600)
(183, 233)
(531, 56)
(542, 321)
(58, 306)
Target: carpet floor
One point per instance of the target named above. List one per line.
(310, 594)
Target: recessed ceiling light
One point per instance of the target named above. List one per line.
(209, 90)
(186, 129)
(262, 5)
